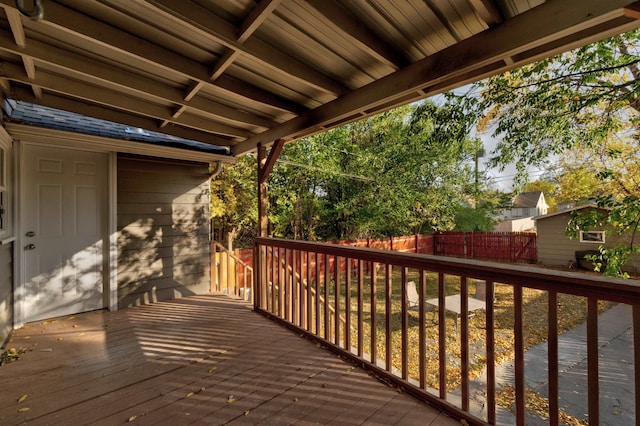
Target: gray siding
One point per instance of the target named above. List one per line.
(555, 248)
(163, 230)
(6, 291)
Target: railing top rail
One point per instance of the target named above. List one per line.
(604, 288)
(233, 256)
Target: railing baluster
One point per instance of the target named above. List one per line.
(636, 358)
(592, 362)
(281, 286)
(405, 325)
(421, 324)
(347, 305)
(464, 341)
(360, 308)
(388, 309)
(272, 269)
(295, 295)
(442, 341)
(491, 358)
(336, 293)
(317, 295)
(518, 331)
(327, 315)
(373, 335)
(552, 348)
(308, 325)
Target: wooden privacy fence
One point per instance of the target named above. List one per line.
(423, 350)
(511, 247)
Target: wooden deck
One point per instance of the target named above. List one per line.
(198, 360)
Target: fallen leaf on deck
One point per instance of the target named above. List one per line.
(22, 398)
(132, 418)
(231, 399)
(22, 410)
(190, 394)
(212, 369)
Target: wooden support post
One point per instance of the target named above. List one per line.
(265, 166)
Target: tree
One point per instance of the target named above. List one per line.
(234, 202)
(586, 100)
(404, 171)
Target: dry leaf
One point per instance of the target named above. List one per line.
(22, 398)
(132, 418)
(190, 394)
(231, 399)
(23, 409)
(212, 369)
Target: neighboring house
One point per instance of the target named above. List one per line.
(526, 204)
(524, 224)
(519, 218)
(111, 218)
(555, 248)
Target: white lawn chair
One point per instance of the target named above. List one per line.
(413, 300)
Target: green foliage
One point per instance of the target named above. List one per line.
(234, 201)
(401, 172)
(582, 107)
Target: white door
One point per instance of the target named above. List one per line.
(64, 231)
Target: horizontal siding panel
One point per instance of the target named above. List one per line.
(187, 223)
(159, 241)
(136, 197)
(163, 224)
(161, 252)
(132, 276)
(136, 185)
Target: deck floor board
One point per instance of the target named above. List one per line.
(204, 360)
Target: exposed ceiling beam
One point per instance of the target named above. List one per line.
(487, 11)
(256, 17)
(469, 60)
(224, 33)
(17, 30)
(115, 100)
(133, 82)
(66, 104)
(338, 16)
(67, 20)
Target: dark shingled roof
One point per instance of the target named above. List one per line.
(51, 118)
(527, 199)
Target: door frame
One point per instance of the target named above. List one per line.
(110, 277)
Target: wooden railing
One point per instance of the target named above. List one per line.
(420, 350)
(229, 274)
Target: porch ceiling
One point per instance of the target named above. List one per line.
(241, 72)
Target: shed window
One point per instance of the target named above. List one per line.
(592, 237)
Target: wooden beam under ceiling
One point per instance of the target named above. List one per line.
(514, 43)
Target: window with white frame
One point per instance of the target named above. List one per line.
(592, 237)
(5, 186)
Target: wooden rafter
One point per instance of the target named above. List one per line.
(499, 49)
(98, 111)
(222, 32)
(487, 11)
(337, 15)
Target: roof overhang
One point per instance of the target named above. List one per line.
(243, 72)
(73, 140)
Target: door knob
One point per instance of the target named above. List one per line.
(30, 247)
